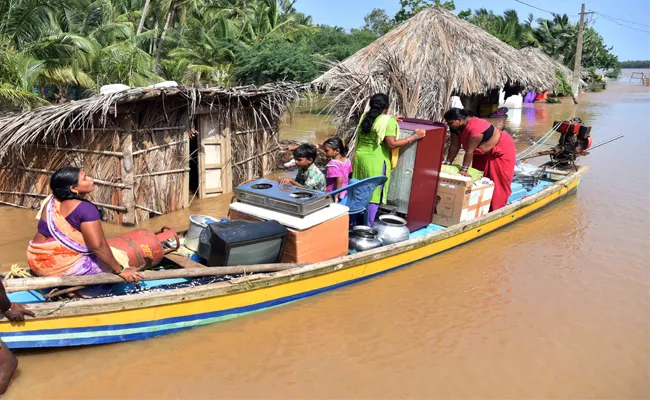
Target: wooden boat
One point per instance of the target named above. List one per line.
(154, 313)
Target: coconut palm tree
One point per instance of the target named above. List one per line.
(556, 37)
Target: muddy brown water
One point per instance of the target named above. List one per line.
(554, 306)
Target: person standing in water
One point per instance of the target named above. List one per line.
(486, 148)
(14, 312)
(376, 138)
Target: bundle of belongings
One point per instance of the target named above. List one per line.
(527, 174)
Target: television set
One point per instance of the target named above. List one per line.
(240, 242)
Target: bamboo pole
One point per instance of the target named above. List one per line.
(91, 129)
(138, 152)
(6, 203)
(127, 169)
(86, 151)
(50, 172)
(171, 171)
(23, 194)
(249, 159)
(22, 284)
(111, 206)
(148, 209)
(268, 128)
(167, 128)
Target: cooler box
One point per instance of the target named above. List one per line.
(320, 236)
(459, 199)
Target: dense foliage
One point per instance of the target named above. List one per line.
(57, 50)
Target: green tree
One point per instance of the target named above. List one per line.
(636, 64)
(274, 60)
(506, 27)
(411, 7)
(558, 38)
(377, 22)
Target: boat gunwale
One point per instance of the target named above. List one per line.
(259, 281)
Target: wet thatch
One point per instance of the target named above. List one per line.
(136, 144)
(541, 60)
(421, 63)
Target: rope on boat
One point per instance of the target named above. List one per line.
(54, 293)
(63, 303)
(539, 143)
(17, 271)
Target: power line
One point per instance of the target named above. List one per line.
(541, 9)
(607, 17)
(624, 20)
(612, 19)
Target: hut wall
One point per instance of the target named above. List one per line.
(253, 144)
(160, 158)
(24, 181)
(136, 146)
(139, 162)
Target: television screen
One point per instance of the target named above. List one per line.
(240, 242)
(255, 253)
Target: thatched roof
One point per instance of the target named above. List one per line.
(421, 63)
(538, 57)
(46, 123)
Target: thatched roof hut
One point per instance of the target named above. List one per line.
(538, 57)
(421, 63)
(148, 150)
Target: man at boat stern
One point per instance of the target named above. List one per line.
(14, 312)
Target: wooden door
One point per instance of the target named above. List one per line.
(215, 170)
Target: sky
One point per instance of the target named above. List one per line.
(629, 43)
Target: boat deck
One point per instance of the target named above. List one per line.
(158, 312)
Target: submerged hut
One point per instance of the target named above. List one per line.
(148, 150)
(424, 61)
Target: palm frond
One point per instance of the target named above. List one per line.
(19, 97)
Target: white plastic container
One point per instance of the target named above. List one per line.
(197, 223)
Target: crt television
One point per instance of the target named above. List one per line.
(240, 242)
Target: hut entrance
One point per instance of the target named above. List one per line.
(194, 164)
(214, 155)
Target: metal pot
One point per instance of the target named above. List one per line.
(197, 223)
(363, 238)
(391, 229)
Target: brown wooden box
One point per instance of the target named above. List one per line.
(319, 243)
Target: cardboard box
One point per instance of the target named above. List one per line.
(460, 200)
(319, 243)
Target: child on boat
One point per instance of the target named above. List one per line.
(339, 168)
(308, 176)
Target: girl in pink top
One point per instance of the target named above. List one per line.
(339, 168)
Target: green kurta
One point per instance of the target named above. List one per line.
(371, 156)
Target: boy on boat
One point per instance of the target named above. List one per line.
(308, 176)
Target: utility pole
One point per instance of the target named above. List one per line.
(578, 57)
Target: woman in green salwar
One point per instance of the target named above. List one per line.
(373, 150)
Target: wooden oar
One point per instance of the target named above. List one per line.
(21, 284)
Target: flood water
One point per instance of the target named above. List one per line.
(554, 306)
